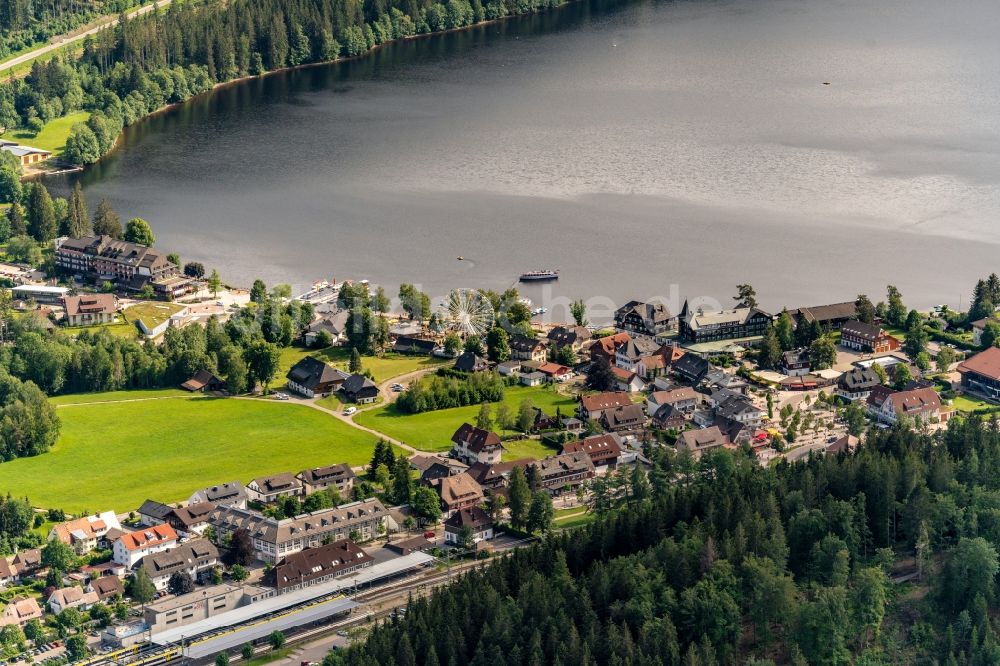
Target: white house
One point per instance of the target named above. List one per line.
(132, 547)
(475, 445)
(85, 534)
(475, 519)
(71, 597)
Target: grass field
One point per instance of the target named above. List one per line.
(567, 518)
(53, 136)
(153, 313)
(119, 396)
(120, 328)
(432, 431)
(383, 367)
(970, 403)
(115, 455)
(527, 448)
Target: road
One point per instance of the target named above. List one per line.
(60, 41)
(388, 396)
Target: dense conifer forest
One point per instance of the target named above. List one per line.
(721, 561)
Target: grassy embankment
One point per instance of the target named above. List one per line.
(432, 431)
(53, 136)
(166, 444)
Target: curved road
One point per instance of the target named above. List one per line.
(349, 420)
(62, 40)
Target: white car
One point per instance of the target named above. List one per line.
(350, 410)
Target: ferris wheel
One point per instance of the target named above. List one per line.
(469, 312)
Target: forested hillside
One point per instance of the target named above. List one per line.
(728, 563)
(27, 22)
(163, 57)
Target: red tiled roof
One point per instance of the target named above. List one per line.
(607, 400)
(594, 445)
(610, 343)
(673, 395)
(553, 369)
(916, 401)
(985, 363)
(622, 374)
(149, 536)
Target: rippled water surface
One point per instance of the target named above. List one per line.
(633, 146)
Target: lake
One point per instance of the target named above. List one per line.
(814, 148)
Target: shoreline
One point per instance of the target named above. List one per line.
(67, 167)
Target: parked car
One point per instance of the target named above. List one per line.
(350, 410)
(429, 534)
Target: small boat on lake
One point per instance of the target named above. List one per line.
(534, 276)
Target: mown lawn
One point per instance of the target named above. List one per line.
(527, 448)
(970, 403)
(151, 314)
(53, 136)
(115, 455)
(119, 328)
(574, 517)
(119, 396)
(432, 431)
(383, 367)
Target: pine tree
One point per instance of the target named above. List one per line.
(785, 329)
(18, 226)
(895, 312)
(519, 498)
(41, 214)
(402, 484)
(106, 221)
(770, 349)
(79, 217)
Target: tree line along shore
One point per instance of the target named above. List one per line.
(165, 57)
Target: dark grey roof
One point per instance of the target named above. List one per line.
(356, 384)
(311, 372)
(335, 323)
(224, 493)
(522, 343)
(413, 345)
(733, 407)
(634, 349)
(178, 559)
(692, 367)
(154, 509)
(655, 312)
(469, 362)
(666, 412)
(568, 335)
(341, 472)
(795, 356)
(859, 379)
(826, 313)
(474, 518)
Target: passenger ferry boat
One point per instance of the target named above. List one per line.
(532, 276)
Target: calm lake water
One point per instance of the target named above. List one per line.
(634, 146)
